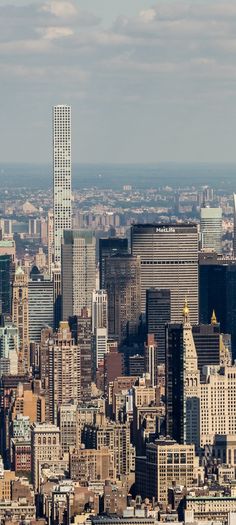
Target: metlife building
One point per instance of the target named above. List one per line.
(169, 259)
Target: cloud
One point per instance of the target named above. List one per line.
(148, 15)
(174, 54)
(53, 33)
(60, 8)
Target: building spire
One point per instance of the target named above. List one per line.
(186, 311)
(213, 318)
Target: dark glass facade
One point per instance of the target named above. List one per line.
(158, 314)
(5, 284)
(218, 292)
(175, 406)
(107, 248)
(207, 343)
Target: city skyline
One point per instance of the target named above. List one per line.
(149, 81)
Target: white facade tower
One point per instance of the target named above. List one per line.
(61, 175)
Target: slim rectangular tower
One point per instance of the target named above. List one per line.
(61, 175)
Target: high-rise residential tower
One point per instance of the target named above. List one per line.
(169, 259)
(61, 175)
(211, 229)
(78, 271)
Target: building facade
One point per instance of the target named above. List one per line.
(122, 282)
(211, 229)
(45, 443)
(41, 306)
(61, 175)
(78, 271)
(20, 317)
(108, 248)
(169, 259)
(64, 370)
(182, 383)
(158, 314)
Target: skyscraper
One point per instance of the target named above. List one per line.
(99, 326)
(151, 358)
(78, 271)
(84, 341)
(5, 284)
(41, 309)
(169, 259)
(158, 314)
(50, 235)
(122, 282)
(20, 317)
(218, 292)
(107, 248)
(211, 229)
(182, 383)
(61, 175)
(99, 309)
(9, 347)
(64, 370)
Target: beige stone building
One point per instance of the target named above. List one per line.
(60, 371)
(218, 403)
(45, 443)
(91, 465)
(166, 462)
(29, 404)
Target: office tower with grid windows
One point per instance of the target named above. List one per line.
(61, 175)
(78, 271)
(211, 229)
(169, 259)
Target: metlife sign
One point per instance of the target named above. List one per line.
(164, 229)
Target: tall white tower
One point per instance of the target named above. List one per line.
(61, 175)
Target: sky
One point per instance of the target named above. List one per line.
(148, 80)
